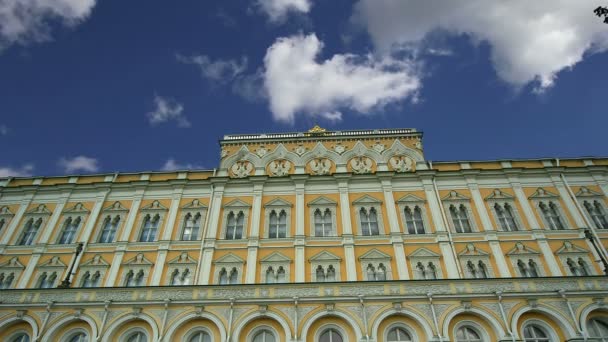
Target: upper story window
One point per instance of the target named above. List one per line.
(460, 218)
(525, 261)
(275, 276)
(277, 225)
(413, 220)
(229, 269)
(192, 224)
(323, 217)
(30, 230)
(506, 216)
(109, 228)
(5, 216)
(369, 212)
(150, 228)
(47, 280)
(551, 215)
(535, 333)
(70, 227)
(92, 271)
(182, 268)
(597, 213)
(425, 264)
(376, 265)
(575, 259)
(91, 279)
(369, 221)
(235, 223)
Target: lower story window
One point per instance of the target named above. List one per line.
(331, 335)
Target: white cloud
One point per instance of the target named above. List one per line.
(24, 171)
(24, 21)
(277, 10)
(531, 41)
(3, 130)
(166, 110)
(79, 163)
(223, 71)
(172, 165)
(297, 83)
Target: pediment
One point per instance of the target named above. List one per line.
(5, 211)
(229, 259)
(275, 257)
(96, 261)
(455, 196)
(410, 198)
(53, 262)
(39, 210)
(237, 203)
(322, 201)
(569, 248)
(12, 263)
(375, 254)
(367, 199)
(155, 205)
(195, 204)
(542, 193)
(78, 208)
(183, 258)
(586, 192)
(116, 206)
(278, 202)
(471, 250)
(521, 249)
(499, 195)
(139, 259)
(325, 256)
(424, 253)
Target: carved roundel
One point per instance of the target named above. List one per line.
(279, 168)
(320, 166)
(361, 165)
(402, 164)
(241, 169)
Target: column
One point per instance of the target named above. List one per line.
(523, 201)
(347, 232)
(393, 221)
(208, 241)
(13, 227)
(252, 247)
(498, 254)
(133, 211)
(300, 235)
(479, 203)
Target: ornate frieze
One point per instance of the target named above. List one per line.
(401, 163)
(241, 169)
(279, 168)
(320, 166)
(361, 165)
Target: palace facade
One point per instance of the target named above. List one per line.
(327, 236)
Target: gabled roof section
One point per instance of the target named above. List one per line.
(586, 192)
(542, 193)
(322, 201)
(41, 210)
(237, 203)
(410, 198)
(278, 202)
(424, 253)
(367, 199)
(156, 205)
(12, 263)
(139, 259)
(229, 259)
(455, 196)
(78, 208)
(521, 249)
(471, 250)
(569, 248)
(53, 262)
(96, 261)
(195, 204)
(275, 257)
(499, 195)
(183, 258)
(116, 206)
(325, 256)
(375, 254)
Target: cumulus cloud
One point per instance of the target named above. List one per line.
(277, 10)
(24, 171)
(296, 82)
(79, 163)
(172, 165)
(223, 71)
(531, 41)
(25, 21)
(167, 109)
(3, 130)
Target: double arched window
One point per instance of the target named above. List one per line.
(135, 278)
(231, 277)
(460, 218)
(150, 228)
(275, 276)
(68, 234)
(192, 225)
(376, 273)
(29, 231)
(529, 269)
(91, 279)
(369, 221)
(413, 220)
(331, 335)
(536, 333)
(477, 269)
(325, 275)
(109, 228)
(234, 225)
(277, 225)
(551, 215)
(323, 223)
(181, 278)
(47, 280)
(428, 271)
(6, 280)
(506, 217)
(597, 213)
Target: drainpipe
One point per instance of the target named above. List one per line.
(447, 226)
(430, 296)
(562, 293)
(49, 306)
(164, 322)
(205, 227)
(295, 318)
(103, 320)
(504, 317)
(229, 334)
(364, 317)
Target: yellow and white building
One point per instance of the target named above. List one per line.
(314, 236)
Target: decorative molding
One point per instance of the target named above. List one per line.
(154, 206)
(521, 249)
(497, 194)
(541, 193)
(455, 196)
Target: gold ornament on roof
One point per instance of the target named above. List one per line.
(317, 130)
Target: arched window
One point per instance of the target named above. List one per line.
(6, 280)
(582, 266)
(264, 336)
(234, 225)
(532, 268)
(234, 276)
(270, 276)
(150, 228)
(137, 336)
(320, 273)
(506, 217)
(2, 222)
(482, 270)
(398, 334)
(91, 279)
(597, 329)
(432, 271)
(281, 277)
(200, 336)
(467, 333)
(21, 337)
(191, 227)
(551, 215)
(47, 281)
(371, 272)
(30, 231)
(331, 273)
(69, 230)
(523, 270)
(134, 279)
(223, 276)
(330, 335)
(369, 221)
(597, 213)
(182, 278)
(108, 230)
(323, 223)
(175, 278)
(79, 337)
(381, 272)
(535, 333)
(413, 220)
(277, 227)
(460, 219)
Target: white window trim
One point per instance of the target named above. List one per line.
(329, 259)
(62, 227)
(52, 265)
(456, 199)
(425, 259)
(152, 209)
(12, 266)
(585, 194)
(190, 333)
(526, 259)
(116, 209)
(192, 208)
(268, 208)
(228, 265)
(516, 215)
(102, 266)
(181, 263)
(259, 329)
(473, 254)
(323, 208)
(376, 261)
(548, 329)
(132, 265)
(40, 212)
(125, 336)
(485, 337)
(402, 204)
(235, 206)
(7, 216)
(328, 326)
(560, 212)
(378, 208)
(286, 264)
(574, 252)
(73, 332)
(408, 329)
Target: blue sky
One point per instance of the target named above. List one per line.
(102, 86)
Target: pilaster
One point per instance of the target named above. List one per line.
(133, 211)
(498, 255)
(524, 202)
(172, 215)
(49, 227)
(115, 266)
(12, 228)
(479, 203)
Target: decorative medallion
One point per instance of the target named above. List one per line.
(320, 166)
(300, 150)
(339, 148)
(241, 169)
(261, 151)
(401, 163)
(379, 147)
(361, 165)
(279, 168)
(418, 145)
(224, 153)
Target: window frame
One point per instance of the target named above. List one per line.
(277, 205)
(155, 210)
(67, 337)
(113, 211)
(39, 214)
(399, 325)
(322, 203)
(376, 258)
(235, 206)
(473, 254)
(6, 216)
(180, 264)
(325, 259)
(228, 262)
(132, 331)
(329, 326)
(255, 331)
(193, 208)
(425, 257)
(275, 260)
(457, 200)
(193, 331)
(478, 328)
(368, 203)
(552, 335)
(585, 194)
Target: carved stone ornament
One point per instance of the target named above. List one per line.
(361, 165)
(320, 166)
(241, 169)
(279, 168)
(300, 150)
(261, 151)
(418, 145)
(379, 147)
(401, 163)
(224, 153)
(339, 148)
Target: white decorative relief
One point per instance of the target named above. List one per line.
(241, 169)
(379, 147)
(361, 165)
(401, 163)
(320, 166)
(279, 168)
(300, 150)
(261, 151)
(339, 148)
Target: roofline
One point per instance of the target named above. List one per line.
(321, 134)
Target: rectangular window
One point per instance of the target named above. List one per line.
(29, 232)
(460, 218)
(277, 227)
(369, 221)
(323, 223)
(234, 226)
